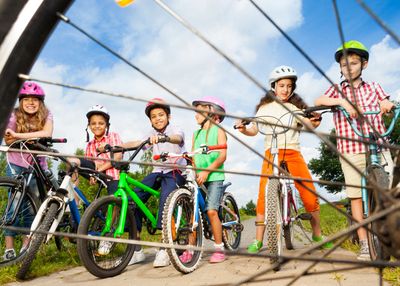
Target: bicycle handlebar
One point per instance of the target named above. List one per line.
(204, 149)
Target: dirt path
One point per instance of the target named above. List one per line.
(235, 269)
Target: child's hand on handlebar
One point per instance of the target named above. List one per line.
(158, 139)
(349, 108)
(386, 106)
(240, 125)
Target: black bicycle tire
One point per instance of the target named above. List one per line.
(25, 27)
(84, 249)
(37, 240)
(271, 220)
(35, 204)
(172, 200)
(225, 238)
(288, 229)
(378, 176)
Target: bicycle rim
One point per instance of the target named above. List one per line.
(103, 264)
(231, 233)
(8, 189)
(177, 230)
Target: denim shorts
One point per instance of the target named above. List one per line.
(215, 191)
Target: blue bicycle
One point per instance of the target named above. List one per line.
(185, 220)
(374, 177)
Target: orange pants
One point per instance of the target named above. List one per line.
(297, 168)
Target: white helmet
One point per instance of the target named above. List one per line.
(281, 72)
(98, 109)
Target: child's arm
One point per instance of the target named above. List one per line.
(386, 105)
(203, 175)
(11, 135)
(251, 131)
(329, 101)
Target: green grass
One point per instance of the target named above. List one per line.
(332, 222)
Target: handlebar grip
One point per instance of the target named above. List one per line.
(59, 140)
(244, 122)
(216, 147)
(157, 157)
(319, 108)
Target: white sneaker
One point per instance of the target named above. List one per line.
(138, 256)
(364, 251)
(161, 259)
(104, 247)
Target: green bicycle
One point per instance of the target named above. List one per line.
(113, 216)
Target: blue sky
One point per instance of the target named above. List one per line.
(151, 39)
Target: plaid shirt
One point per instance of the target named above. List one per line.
(368, 95)
(112, 139)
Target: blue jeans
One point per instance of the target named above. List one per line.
(168, 182)
(27, 212)
(214, 196)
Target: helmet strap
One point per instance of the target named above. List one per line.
(87, 134)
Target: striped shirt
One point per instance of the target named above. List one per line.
(113, 139)
(368, 95)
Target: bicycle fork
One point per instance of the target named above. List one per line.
(62, 196)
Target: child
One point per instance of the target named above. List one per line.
(31, 119)
(165, 177)
(282, 81)
(99, 124)
(367, 96)
(210, 134)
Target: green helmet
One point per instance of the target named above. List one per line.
(352, 47)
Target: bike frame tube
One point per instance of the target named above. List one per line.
(124, 190)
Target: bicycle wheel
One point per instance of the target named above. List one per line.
(21, 39)
(37, 239)
(231, 233)
(10, 191)
(288, 227)
(118, 255)
(177, 230)
(273, 229)
(380, 178)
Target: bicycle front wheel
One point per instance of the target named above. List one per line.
(379, 177)
(178, 230)
(10, 193)
(273, 227)
(288, 226)
(103, 258)
(37, 239)
(231, 226)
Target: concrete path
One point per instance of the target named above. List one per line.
(235, 269)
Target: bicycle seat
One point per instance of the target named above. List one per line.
(225, 185)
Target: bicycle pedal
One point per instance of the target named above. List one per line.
(304, 216)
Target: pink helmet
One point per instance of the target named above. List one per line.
(156, 103)
(217, 104)
(29, 88)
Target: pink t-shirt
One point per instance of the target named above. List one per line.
(24, 159)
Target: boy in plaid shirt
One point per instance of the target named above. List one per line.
(367, 96)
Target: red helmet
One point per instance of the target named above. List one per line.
(29, 88)
(157, 103)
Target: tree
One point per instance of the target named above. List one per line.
(327, 165)
(249, 209)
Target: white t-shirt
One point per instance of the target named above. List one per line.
(275, 114)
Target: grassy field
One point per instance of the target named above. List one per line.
(332, 222)
(51, 260)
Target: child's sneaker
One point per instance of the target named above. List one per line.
(104, 247)
(138, 256)
(326, 245)
(364, 251)
(9, 254)
(217, 257)
(186, 256)
(161, 259)
(255, 246)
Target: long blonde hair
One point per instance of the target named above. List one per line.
(31, 123)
